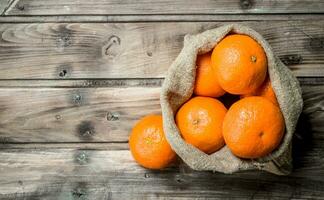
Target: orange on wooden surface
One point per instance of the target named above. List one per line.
(253, 127)
(200, 122)
(265, 90)
(206, 81)
(148, 144)
(240, 64)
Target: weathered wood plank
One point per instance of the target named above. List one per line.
(74, 114)
(58, 115)
(94, 83)
(66, 145)
(111, 7)
(156, 18)
(107, 174)
(136, 50)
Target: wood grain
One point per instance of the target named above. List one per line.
(4, 6)
(108, 174)
(73, 114)
(58, 115)
(140, 7)
(136, 50)
(76, 75)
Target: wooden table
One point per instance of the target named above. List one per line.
(76, 75)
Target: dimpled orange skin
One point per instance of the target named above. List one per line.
(253, 127)
(265, 90)
(240, 64)
(206, 81)
(148, 144)
(200, 123)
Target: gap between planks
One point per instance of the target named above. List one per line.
(82, 83)
(102, 83)
(158, 18)
(164, 7)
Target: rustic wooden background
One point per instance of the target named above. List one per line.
(76, 75)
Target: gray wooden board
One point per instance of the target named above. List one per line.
(74, 114)
(5, 5)
(104, 114)
(113, 174)
(140, 7)
(136, 50)
(76, 75)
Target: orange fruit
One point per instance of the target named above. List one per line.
(240, 64)
(148, 144)
(200, 122)
(206, 81)
(253, 127)
(265, 90)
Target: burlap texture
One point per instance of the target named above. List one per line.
(178, 88)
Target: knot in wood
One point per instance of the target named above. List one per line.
(112, 116)
(20, 7)
(64, 40)
(79, 192)
(246, 4)
(86, 130)
(317, 43)
(63, 73)
(149, 53)
(77, 98)
(109, 48)
(82, 158)
(292, 59)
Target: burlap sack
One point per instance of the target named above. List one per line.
(178, 88)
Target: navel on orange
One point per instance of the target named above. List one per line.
(206, 81)
(148, 144)
(200, 123)
(253, 127)
(240, 64)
